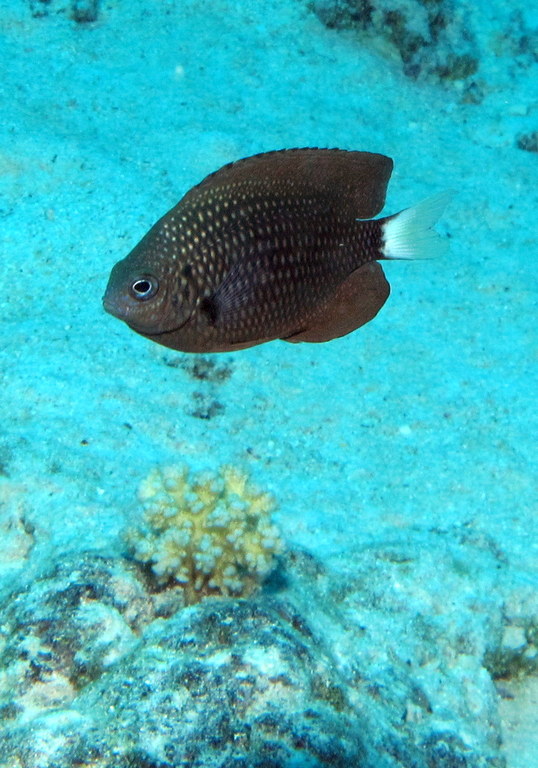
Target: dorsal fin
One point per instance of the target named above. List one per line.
(357, 179)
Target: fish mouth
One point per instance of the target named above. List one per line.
(117, 310)
(112, 308)
(155, 334)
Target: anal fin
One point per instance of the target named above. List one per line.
(355, 302)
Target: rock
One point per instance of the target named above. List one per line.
(380, 665)
(81, 11)
(65, 630)
(528, 141)
(427, 34)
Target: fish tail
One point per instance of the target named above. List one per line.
(410, 234)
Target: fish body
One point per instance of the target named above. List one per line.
(278, 245)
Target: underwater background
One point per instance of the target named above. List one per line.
(385, 609)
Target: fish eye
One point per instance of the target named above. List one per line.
(144, 288)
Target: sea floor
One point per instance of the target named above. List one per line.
(416, 430)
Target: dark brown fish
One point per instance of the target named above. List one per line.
(275, 246)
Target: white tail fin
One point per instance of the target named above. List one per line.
(409, 234)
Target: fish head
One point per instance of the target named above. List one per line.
(146, 291)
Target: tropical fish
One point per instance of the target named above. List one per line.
(281, 245)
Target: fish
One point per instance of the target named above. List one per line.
(279, 245)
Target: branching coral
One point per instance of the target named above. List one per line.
(210, 532)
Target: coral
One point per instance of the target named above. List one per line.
(210, 532)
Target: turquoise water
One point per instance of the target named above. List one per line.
(402, 457)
